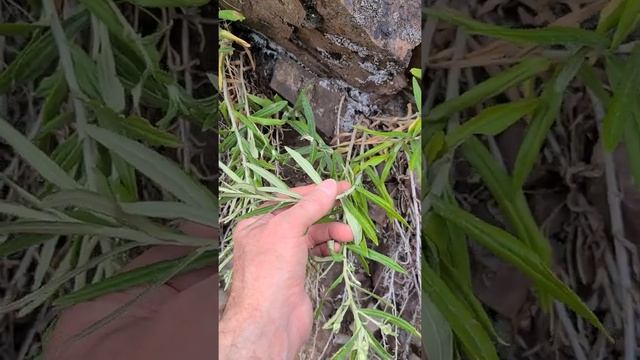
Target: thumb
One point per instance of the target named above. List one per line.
(310, 209)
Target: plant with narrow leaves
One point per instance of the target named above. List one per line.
(252, 162)
(450, 302)
(98, 155)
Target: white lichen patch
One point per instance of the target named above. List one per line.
(356, 103)
(348, 44)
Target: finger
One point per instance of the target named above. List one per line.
(323, 249)
(162, 253)
(297, 219)
(198, 230)
(307, 189)
(187, 319)
(304, 191)
(321, 233)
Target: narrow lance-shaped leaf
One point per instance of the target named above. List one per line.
(385, 205)
(437, 338)
(551, 35)
(171, 210)
(624, 99)
(490, 87)
(543, 119)
(628, 21)
(632, 145)
(476, 342)
(512, 202)
(156, 167)
(492, 120)
(140, 276)
(510, 249)
(21, 242)
(266, 175)
(395, 320)
(24, 212)
(47, 168)
(67, 228)
(610, 15)
(13, 29)
(230, 15)
(36, 57)
(379, 258)
(305, 165)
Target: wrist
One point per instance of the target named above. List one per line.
(251, 336)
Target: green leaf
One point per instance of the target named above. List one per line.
(417, 93)
(22, 211)
(417, 73)
(271, 109)
(35, 157)
(305, 165)
(379, 258)
(476, 342)
(145, 275)
(512, 250)
(272, 179)
(437, 339)
(628, 22)
(22, 242)
(230, 15)
(155, 166)
(111, 88)
(266, 121)
(395, 320)
(492, 120)
(13, 29)
(610, 15)
(632, 145)
(489, 88)
(54, 124)
(36, 56)
(363, 220)
(140, 128)
(544, 117)
(67, 228)
(624, 99)
(170, 211)
(512, 202)
(377, 347)
(356, 228)
(388, 207)
(435, 146)
(551, 35)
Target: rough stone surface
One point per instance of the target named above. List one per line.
(366, 43)
(289, 78)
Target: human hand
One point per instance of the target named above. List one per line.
(174, 321)
(269, 315)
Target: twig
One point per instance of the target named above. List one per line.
(617, 231)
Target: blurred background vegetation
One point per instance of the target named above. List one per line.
(106, 125)
(531, 192)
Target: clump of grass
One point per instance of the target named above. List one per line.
(98, 156)
(450, 302)
(252, 161)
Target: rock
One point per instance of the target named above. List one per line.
(289, 78)
(366, 43)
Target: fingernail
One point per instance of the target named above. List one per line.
(329, 187)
